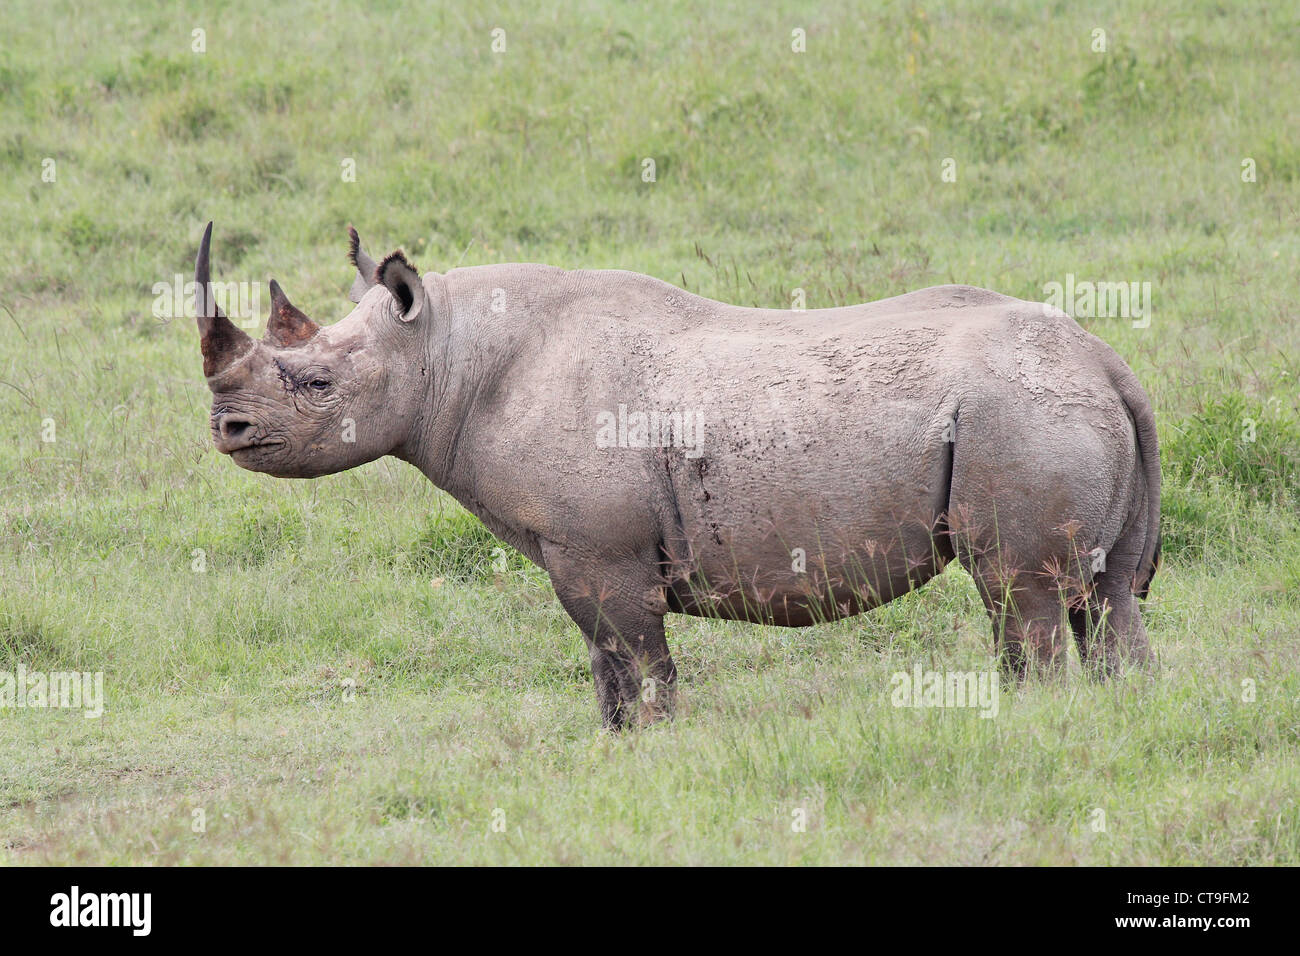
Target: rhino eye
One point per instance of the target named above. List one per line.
(319, 384)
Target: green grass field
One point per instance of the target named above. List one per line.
(349, 670)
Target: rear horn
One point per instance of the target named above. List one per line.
(288, 327)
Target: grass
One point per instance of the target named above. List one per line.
(352, 670)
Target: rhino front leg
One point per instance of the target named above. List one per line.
(618, 605)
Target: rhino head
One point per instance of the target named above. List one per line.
(308, 400)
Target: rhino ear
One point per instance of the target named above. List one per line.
(400, 278)
(366, 266)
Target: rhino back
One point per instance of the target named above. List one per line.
(827, 431)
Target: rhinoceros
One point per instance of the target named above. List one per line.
(656, 451)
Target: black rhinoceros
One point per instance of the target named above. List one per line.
(656, 451)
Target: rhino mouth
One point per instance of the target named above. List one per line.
(250, 446)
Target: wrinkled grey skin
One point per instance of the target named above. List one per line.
(878, 441)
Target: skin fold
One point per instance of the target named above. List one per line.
(655, 451)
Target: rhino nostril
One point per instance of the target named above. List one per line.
(233, 429)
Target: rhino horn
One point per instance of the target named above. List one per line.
(288, 327)
(219, 339)
(365, 267)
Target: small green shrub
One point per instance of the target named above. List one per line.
(456, 545)
(1235, 440)
(84, 234)
(28, 639)
(1196, 522)
(263, 531)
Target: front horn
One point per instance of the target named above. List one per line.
(219, 339)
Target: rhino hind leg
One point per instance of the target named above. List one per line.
(1110, 635)
(1021, 496)
(1108, 628)
(619, 607)
(1027, 613)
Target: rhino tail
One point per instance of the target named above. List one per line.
(1138, 404)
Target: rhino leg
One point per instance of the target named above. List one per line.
(1108, 628)
(1022, 489)
(618, 605)
(1029, 627)
(1110, 635)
